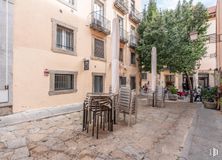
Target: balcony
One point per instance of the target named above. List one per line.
(122, 6)
(100, 23)
(123, 36)
(135, 16)
(133, 40)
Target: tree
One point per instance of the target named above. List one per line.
(170, 32)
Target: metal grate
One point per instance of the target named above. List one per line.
(133, 58)
(121, 54)
(144, 76)
(98, 48)
(64, 81)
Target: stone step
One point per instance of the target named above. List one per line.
(6, 110)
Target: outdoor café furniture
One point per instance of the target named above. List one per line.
(99, 110)
(127, 103)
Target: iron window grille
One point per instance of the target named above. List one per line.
(99, 48)
(122, 81)
(144, 76)
(133, 58)
(64, 82)
(121, 54)
(132, 82)
(133, 40)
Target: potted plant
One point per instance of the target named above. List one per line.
(220, 86)
(209, 97)
(172, 93)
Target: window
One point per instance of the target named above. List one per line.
(144, 76)
(121, 54)
(211, 38)
(62, 82)
(122, 81)
(99, 48)
(69, 3)
(132, 5)
(121, 27)
(99, 8)
(63, 38)
(133, 82)
(133, 58)
(98, 83)
(169, 80)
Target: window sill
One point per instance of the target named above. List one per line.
(58, 50)
(51, 93)
(98, 58)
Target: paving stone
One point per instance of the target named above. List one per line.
(16, 143)
(60, 156)
(39, 149)
(20, 153)
(36, 137)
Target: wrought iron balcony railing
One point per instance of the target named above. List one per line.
(135, 16)
(133, 40)
(122, 5)
(100, 23)
(123, 35)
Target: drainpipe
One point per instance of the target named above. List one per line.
(6, 49)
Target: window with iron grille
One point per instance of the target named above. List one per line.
(64, 38)
(211, 38)
(121, 54)
(144, 76)
(133, 58)
(122, 81)
(133, 82)
(99, 48)
(64, 82)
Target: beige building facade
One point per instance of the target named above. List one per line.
(62, 50)
(204, 76)
(219, 34)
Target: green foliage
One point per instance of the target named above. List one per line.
(169, 31)
(173, 90)
(209, 94)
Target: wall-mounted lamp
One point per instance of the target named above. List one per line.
(86, 64)
(46, 72)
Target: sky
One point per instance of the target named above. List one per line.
(171, 4)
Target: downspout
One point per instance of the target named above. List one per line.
(6, 49)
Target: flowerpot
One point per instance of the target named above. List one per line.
(220, 88)
(172, 97)
(210, 105)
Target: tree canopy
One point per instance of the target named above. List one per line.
(169, 31)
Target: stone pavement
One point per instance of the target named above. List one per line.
(205, 134)
(159, 134)
(31, 115)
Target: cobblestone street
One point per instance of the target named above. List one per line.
(159, 134)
